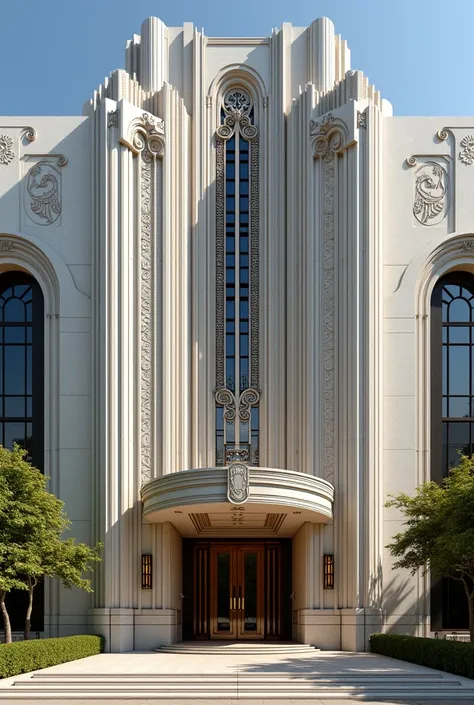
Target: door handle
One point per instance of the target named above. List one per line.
(243, 603)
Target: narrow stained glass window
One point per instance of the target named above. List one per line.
(237, 325)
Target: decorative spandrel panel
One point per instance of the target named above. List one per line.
(237, 392)
(42, 190)
(431, 192)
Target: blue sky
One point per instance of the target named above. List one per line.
(420, 55)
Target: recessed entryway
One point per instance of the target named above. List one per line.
(237, 590)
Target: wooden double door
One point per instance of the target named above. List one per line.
(238, 590)
(236, 594)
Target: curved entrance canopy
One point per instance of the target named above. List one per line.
(239, 500)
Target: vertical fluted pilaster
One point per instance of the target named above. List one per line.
(322, 54)
(153, 54)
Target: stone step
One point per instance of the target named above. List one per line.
(264, 678)
(457, 694)
(233, 649)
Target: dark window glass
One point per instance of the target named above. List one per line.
(452, 427)
(21, 364)
(22, 396)
(240, 434)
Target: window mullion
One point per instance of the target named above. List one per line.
(237, 283)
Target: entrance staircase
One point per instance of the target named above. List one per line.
(242, 648)
(291, 671)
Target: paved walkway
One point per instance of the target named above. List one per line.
(150, 663)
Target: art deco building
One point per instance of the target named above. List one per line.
(236, 303)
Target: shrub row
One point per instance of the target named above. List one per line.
(24, 656)
(452, 656)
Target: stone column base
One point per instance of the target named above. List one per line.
(135, 629)
(334, 630)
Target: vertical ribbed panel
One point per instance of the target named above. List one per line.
(322, 54)
(132, 56)
(175, 289)
(153, 54)
(343, 58)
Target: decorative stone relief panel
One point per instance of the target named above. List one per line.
(237, 483)
(328, 139)
(42, 201)
(145, 137)
(430, 193)
(6, 149)
(466, 155)
(42, 193)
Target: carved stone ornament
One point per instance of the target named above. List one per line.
(146, 137)
(6, 245)
(329, 136)
(237, 483)
(146, 134)
(237, 454)
(466, 155)
(42, 199)
(468, 246)
(361, 119)
(430, 199)
(6, 149)
(226, 398)
(112, 118)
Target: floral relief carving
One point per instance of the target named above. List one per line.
(466, 155)
(112, 118)
(328, 139)
(362, 119)
(146, 138)
(145, 315)
(6, 245)
(430, 203)
(468, 246)
(6, 149)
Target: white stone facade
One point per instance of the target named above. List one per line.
(349, 250)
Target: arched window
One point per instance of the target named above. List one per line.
(237, 391)
(21, 364)
(22, 396)
(452, 418)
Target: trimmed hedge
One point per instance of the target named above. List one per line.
(24, 656)
(451, 656)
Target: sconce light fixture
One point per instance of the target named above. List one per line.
(328, 571)
(146, 571)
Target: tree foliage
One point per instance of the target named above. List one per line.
(439, 534)
(32, 524)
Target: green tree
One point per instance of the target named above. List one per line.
(32, 523)
(439, 533)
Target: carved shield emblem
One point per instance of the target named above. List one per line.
(237, 483)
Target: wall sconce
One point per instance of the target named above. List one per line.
(328, 571)
(146, 571)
